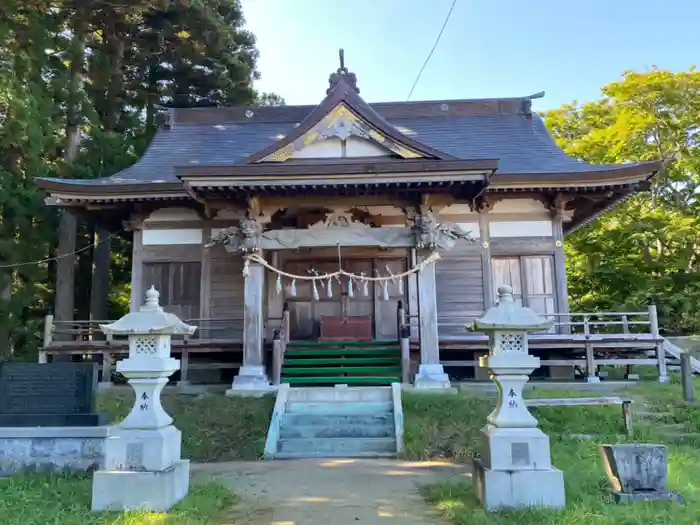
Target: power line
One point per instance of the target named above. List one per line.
(76, 252)
(437, 40)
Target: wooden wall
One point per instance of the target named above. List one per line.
(520, 228)
(459, 281)
(226, 290)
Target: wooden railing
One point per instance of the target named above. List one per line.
(279, 346)
(67, 333)
(610, 332)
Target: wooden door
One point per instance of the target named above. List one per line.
(305, 311)
(178, 284)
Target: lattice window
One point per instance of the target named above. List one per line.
(145, 346)
(512, 343)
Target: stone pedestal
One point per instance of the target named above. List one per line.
(143, 467)
(515, 468)
(156, 490)
(431, 376)
(251, 381)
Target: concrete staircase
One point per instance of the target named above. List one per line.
(338, 421)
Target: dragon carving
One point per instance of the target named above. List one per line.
(243, 238)
(431, 234)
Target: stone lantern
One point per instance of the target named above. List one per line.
(143, 468)
(515, 469)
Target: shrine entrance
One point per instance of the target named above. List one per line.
(367, 312)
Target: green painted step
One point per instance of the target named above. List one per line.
(341, 351)
(340, 360)
(381, 380)
(378, 370)
(391, 342)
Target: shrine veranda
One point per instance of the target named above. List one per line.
(347, 225)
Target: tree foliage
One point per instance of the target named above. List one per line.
(649, 247)
(101, 67)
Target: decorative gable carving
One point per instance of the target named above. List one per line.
(338, 128)
(338, 219)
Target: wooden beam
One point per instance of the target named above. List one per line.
(137, 271)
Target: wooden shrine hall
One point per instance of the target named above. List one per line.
(353, 242)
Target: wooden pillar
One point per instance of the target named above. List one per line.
(660, 350)
(64, 298)
(205, 286)
(137, 290)
(99, 289)
(560, 283)
(430, 372)
(487, 277)
(412, 292)
(252, 375)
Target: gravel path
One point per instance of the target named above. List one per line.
(331, 491)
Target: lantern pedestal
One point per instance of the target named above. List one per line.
(500, 489)
(143, 467)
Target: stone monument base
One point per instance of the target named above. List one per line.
(53, 420)
(501, 489)
(648, 495)
(130, 490)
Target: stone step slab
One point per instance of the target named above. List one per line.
(335, 431)
(340, 394)
(330, 421)
(339, 408)
(336, 447)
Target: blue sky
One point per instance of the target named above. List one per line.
(490, 48)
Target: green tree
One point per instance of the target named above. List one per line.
(649, 247)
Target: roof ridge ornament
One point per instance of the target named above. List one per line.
(342, 75)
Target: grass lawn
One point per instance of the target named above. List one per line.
(214, 427)
(65, 500)
(449, 427)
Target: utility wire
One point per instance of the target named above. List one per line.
(437, 40)
(76, 252)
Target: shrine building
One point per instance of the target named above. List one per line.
(341, 227)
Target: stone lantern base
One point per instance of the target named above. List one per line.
(157, 490)
(501, 489)
(143, 470)
(516, 470)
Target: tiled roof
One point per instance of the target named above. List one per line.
(504, 131)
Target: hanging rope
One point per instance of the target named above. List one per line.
(432, 258)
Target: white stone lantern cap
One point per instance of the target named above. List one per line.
(149, 320)
(509, 316)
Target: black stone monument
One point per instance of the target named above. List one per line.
(49, 395)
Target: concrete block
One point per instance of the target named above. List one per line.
(130, 490)
(516, 489)
(52, 449)
(133, 449)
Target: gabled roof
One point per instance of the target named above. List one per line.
(341, 114)
(502, 131)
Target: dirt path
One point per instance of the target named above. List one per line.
(331, 491)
